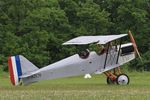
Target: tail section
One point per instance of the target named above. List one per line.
(18, 66)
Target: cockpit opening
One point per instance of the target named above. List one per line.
(84, 54)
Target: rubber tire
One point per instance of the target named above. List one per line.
(110, 82)
(124, 75)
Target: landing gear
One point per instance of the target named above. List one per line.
(116, 78)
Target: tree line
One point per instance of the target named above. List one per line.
(37, 28)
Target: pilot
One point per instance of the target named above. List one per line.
(102, 50)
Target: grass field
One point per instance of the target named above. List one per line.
(78, 88)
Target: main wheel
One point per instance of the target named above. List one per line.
(122, 79)
(110, 81)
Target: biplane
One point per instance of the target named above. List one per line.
(108, 61)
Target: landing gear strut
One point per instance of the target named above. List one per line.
(117, 78)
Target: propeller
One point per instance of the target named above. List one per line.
(134, 44)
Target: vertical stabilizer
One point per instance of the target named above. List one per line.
(18, 66)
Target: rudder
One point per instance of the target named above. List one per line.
(18, 66)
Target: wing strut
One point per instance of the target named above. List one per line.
(119, 51)
(106, 55)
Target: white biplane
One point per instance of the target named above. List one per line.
(111, 57)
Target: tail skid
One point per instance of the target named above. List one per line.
(18, 66)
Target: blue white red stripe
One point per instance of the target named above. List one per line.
(14, 69)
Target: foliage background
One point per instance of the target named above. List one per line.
(37, 28)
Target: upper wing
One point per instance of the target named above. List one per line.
(82, 40)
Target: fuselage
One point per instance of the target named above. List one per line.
(75, 65)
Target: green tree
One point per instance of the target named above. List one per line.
(37, 28)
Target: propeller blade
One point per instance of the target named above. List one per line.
(134, 44)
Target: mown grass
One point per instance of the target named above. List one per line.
(78, 88)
